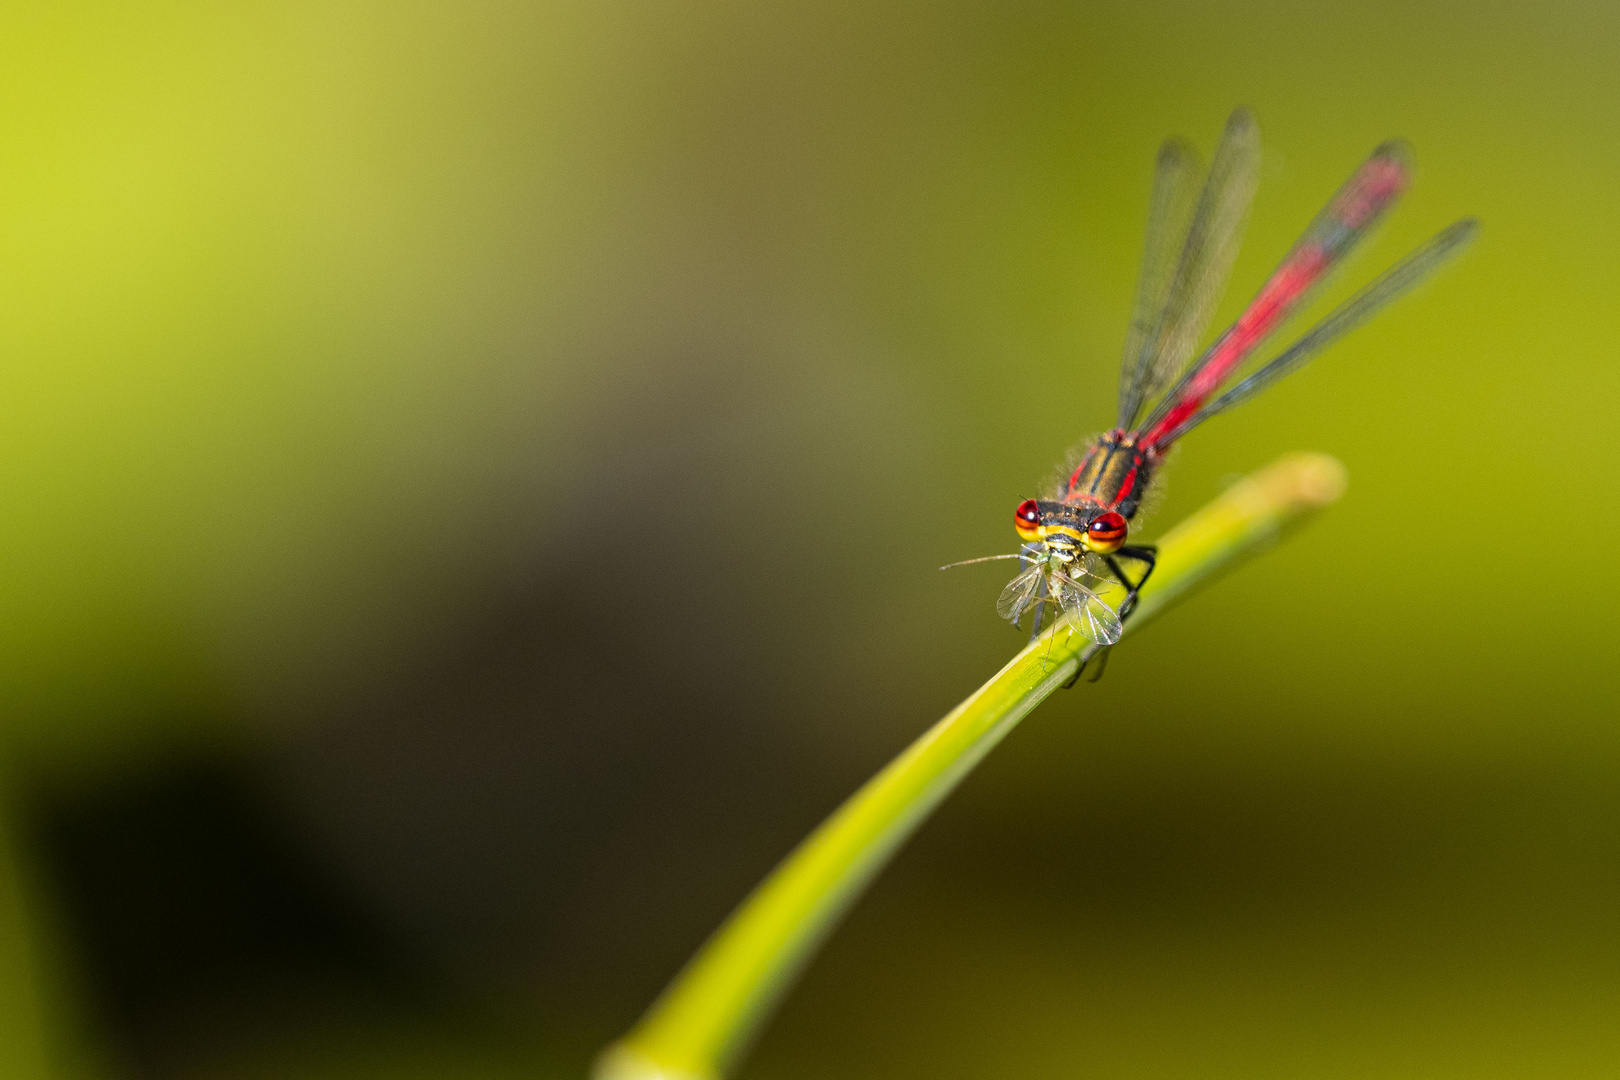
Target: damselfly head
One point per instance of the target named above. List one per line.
(1059, 568)
(1064, 528)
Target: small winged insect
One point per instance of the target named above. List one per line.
(1075, 548)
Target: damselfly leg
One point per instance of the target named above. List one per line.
(1094, 666)
(1148, 555)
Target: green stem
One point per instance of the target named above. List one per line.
(702, 1022)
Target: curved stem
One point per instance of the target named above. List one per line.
(706, 1017)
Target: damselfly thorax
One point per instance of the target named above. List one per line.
(1114, 474)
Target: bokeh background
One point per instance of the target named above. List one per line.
(472, 477)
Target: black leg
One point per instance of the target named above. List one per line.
(1097, 663)
(1040, 610)
(1143, 554)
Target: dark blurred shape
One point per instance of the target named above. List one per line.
(196, 917)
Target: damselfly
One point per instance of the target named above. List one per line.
(1074, 537)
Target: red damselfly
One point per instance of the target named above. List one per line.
(1074, 537)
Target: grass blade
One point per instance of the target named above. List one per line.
(707, 1016)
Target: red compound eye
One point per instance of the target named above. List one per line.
(1027, 519)
(1106, 532)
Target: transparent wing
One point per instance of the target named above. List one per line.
(1396, 281)
(1092, 573)
(1175, 194)
(1022, 594)
(1095, 620)
(1347, 218)
(1212, 242)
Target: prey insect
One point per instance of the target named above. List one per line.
(1075, 547)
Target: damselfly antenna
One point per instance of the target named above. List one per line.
(986, 558)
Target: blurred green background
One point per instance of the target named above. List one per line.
(472, 477)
